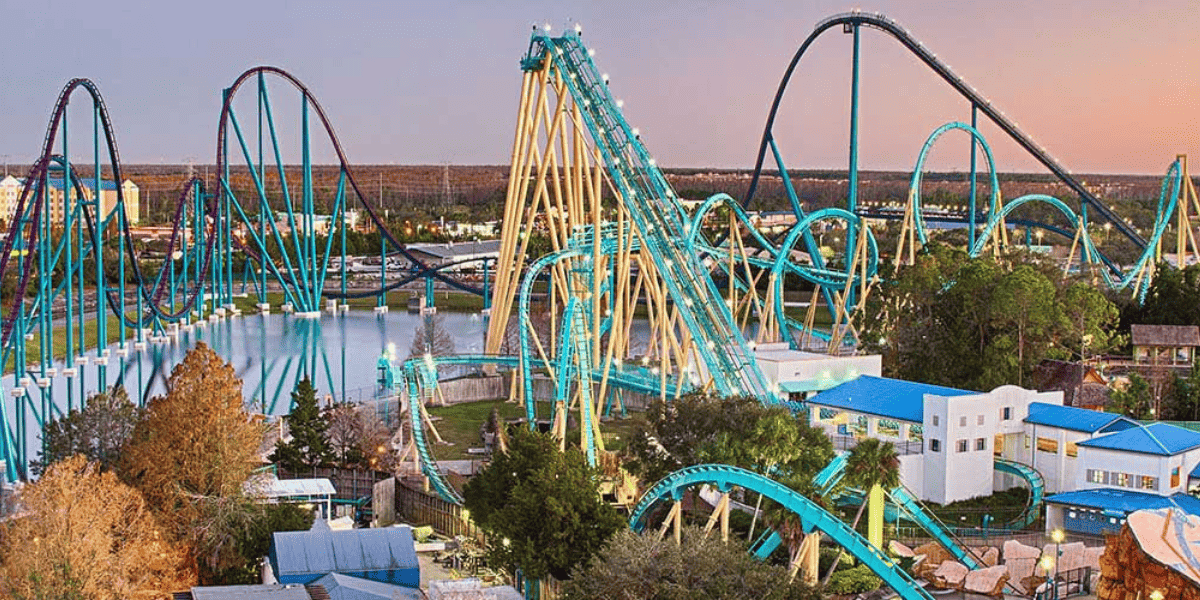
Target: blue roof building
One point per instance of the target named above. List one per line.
(1104, 511)
(348, 587)
(385, 555)
(1076, 419)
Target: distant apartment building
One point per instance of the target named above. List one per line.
(10, 191)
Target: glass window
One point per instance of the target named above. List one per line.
(935, 445)
(935, 420)
(916, 433)
(962, 421)
(1149, 483)
(962, 445)
(827, 414)
(998, 444)
(1072, 449)
(979, 420)
(1175, 477)
(1047, 445)
(980, 443)
(1122, 479)
(888, 428)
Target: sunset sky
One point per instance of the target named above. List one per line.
(1106, 86)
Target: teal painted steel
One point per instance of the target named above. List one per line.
(1037, 491)
(726, 477)
(658, 215)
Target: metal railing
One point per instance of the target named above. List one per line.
(848, 442)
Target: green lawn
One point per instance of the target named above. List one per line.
(460, 424)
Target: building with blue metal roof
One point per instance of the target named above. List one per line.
(385, 555)
(1076, 419)
(1161, 439)
(348, 587)
(1104, 511)
(949, 442)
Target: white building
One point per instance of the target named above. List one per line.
(945, 437)
(1098, 466)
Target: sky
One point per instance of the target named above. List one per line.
(1107, 86)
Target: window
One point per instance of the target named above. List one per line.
(1149, 483)
(1047, 445)
(979, 420)
(1072, 449)
(1097, 476)
(1175, 477)
(827, 414)
(935, 445)
(980, 444)
(1026, 442)
(1122, 479)
(916, 433)
(935, 420)
(962, 445)
(998, 444)
(962, 421)
(1006, 413)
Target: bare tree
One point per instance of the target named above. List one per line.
(431, 338)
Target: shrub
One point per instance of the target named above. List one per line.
(854, 581)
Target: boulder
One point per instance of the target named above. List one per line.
(950, 574)
(934, 552)
(898, 549)
(1071, 556)
(991, 557)
(1020, 568)
(989, 581)
(1016, 550)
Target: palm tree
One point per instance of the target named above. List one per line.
(872, 463)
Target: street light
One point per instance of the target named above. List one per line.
(1046, 564)
(1057, 535)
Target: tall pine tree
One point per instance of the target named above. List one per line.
(309, 446)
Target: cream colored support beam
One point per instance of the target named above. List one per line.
(672, 519)
(720, 513)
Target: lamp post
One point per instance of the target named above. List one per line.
(1046, 564)
(1057, 535)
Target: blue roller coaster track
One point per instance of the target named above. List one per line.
(1136, 278)
(813, 517)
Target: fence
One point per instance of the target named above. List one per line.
(1076, 582)
(915, 536)
(349, 484)
(416, 507)
(848, 442)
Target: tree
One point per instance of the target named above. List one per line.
(191, 454)
(1024, 298)
(431, 338)
(254, 541)
(358, 438)
(633, 566)
(1133, 400)
(540, 507)
(872, 463)
(984, 321)
(84, 534)
(1187, 396)
(97, 432)
(309, 446)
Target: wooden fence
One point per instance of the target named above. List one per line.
(350, 484)
(416, 507)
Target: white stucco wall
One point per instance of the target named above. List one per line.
(793, 365)
(951, 474)
(1133, 463)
